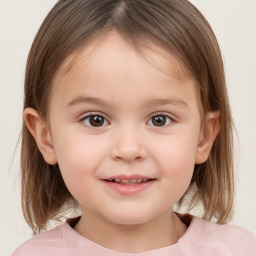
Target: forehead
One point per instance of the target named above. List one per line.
(113, 42)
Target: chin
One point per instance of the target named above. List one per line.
(130, 218)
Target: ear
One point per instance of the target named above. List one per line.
(41, 134)
(208, 134)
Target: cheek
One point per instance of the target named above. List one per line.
(178, 151)
(176, 159)
(77, 152)
(78, 160)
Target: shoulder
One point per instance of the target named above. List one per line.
(42, 244)
(218, 239)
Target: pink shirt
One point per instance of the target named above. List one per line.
(202, 238)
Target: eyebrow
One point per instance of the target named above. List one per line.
(86, 100)
(149, 103)
(167, 101)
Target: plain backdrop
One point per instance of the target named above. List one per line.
(234, 23)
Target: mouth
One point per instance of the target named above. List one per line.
(129, 182)
(129, 185)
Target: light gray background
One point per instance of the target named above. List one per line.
(234, 23)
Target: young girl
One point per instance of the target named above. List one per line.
(126, 116)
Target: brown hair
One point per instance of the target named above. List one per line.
(175, 25)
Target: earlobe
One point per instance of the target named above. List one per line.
(208, 135)
(41, 134)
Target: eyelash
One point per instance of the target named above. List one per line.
(88, 117)
(162, 117)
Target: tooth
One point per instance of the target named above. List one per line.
(133, 181)
(118, 180)
(125, 181)
(139, 180)
(144, 180)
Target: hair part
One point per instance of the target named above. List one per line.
(174, 25)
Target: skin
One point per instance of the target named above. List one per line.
(126, 90)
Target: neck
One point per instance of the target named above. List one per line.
(161, 232)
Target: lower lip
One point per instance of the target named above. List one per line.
(129, 189)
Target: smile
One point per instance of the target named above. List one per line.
(129, 181)
(129, 185)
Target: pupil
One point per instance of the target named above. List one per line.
(159, 120)
(96, 121)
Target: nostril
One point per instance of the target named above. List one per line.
(129, 154)
(128, 145)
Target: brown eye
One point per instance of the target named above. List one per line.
(95, 121)
(159, 120)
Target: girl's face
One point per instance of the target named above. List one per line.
(125, 131)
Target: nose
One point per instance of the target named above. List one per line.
(128, 146)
